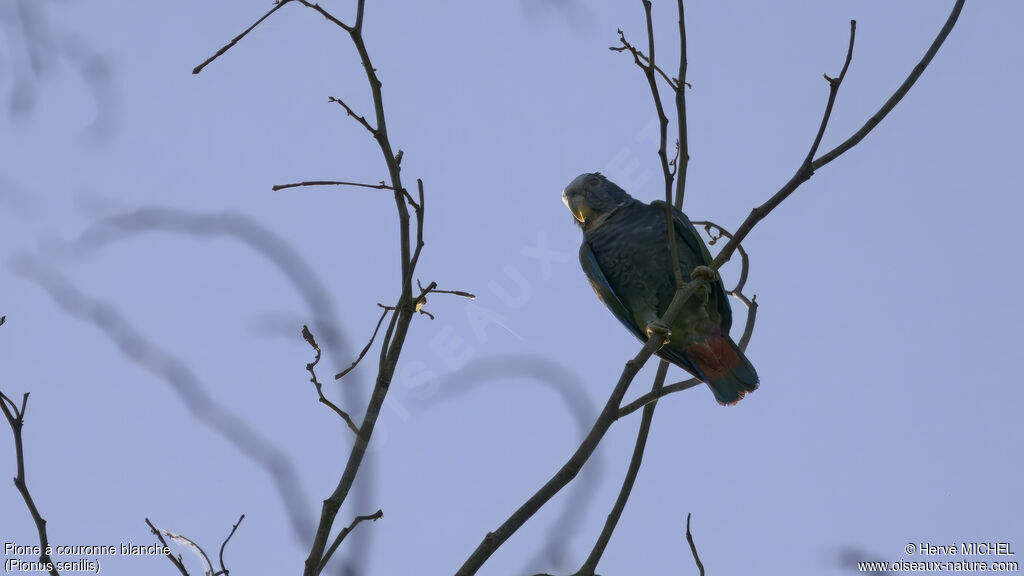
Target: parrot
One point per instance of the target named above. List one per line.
(625, 255)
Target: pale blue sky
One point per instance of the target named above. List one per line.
(887, 337)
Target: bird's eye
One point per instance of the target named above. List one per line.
(593, 181)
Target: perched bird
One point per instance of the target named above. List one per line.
(626, 257)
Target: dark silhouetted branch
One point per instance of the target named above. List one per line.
(220, 556)
(235, 40)
(362, 353)
(380, 186)
(16, 419)
(682, 143)
(693, 547)
(361, 119)
(344, 532)
(627, 483)
(810, 165)
(176, 560)
(311, 368)
(607, 417)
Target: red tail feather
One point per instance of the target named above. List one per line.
(715, 357)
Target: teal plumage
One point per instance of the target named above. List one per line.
(626, 257)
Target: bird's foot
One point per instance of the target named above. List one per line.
(657, 327)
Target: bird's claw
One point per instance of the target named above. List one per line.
(657, 327)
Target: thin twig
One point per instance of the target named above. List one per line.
(344, 532)
(16, 419)
(380, 186)
(898, 94)
(682, 143)
(191, 545)
(220, 556)
(308, 337)
(362, 353)
(398, 327)
(419, 210)
(805, 171)
(653, 396)
(430, 290)
(693, 547)
(235, 40)
(744, 258)
(361, 119)
(641, 59)
(627, 483)
(167, 549)
(328, 15)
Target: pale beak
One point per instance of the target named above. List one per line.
(572, 201)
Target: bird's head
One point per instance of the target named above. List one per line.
(590, 197)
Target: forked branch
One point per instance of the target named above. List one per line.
(809, 166)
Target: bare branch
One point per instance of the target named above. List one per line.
(654, 396)
(898, 94)
(361, 119)
(176, 560)
(682, 142)
(235, 40)
(223, 569)
(16, 419)
(745, 260)
(344, 532)
(307, 335)
(627, 483)
(641, 59)
(802, 174)
(362, 353)
(693, 547)
(608, 416)
(191, 545)
(380, 186)
(328, 15)
(809, 166)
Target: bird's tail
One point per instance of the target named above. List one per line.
(724, 367)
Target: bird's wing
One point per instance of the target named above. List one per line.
(699, 255)
(604, 290)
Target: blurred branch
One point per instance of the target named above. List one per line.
(311, 367)
(16, 420)
(607, 417)
(192, 391)
(405, 308)
(810, 164)
(555, 376)
(627, 483)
